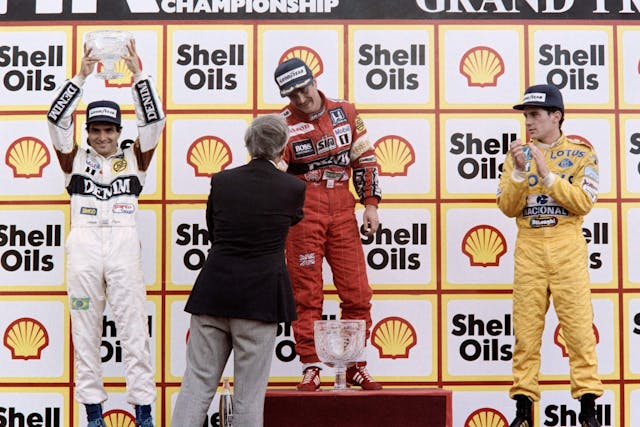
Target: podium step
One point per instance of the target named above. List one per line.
(415, 407)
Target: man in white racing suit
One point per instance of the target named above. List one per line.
(103, 251)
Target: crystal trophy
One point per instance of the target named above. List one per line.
(109, 46)
(339, 343)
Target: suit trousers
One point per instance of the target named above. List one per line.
(104, 265)
(211, 340)
(556, 267)
(329, 230)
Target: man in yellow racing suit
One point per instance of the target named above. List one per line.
(548, 185)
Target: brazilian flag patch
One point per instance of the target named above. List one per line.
(79, 303)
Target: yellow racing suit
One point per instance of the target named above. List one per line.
(551, 260)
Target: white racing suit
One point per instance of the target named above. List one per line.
(551, 260)
(103, 248)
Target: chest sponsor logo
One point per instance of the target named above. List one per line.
(300, 129)
(343, 135)
(92, 165)
(543, 222)
(119, 165)
(303, 148)
(337, 116)
(118, 187)
(566, 163)
(88, 211)
(327, 143)
(123, 208)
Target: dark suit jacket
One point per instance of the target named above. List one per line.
(249, 212)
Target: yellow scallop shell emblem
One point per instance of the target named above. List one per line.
(308, 55)
(393, 337)
(395, 155)
(27, 157)
(208, 155)
(127, 77)
(486, 417)
(482, 66)
(484, 245)
(26, 338)
(119, 418)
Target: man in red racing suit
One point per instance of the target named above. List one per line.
(328, 145)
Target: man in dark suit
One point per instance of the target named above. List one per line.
(243, 291)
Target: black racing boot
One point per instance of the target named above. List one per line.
(587, 415)
(523, 412)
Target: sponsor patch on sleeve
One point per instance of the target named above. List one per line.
(592, 174)
(360, 127)
(590, 187)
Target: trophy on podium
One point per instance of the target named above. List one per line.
(339, 343)
(110, 46)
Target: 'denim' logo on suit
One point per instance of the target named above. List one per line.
(26, 338)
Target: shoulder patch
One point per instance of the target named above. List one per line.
(62, 103)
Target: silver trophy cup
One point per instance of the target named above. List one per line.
(109, 46)
(339, 343)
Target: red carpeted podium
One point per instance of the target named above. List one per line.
(429, 407)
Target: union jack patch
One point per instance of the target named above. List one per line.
(307, 259)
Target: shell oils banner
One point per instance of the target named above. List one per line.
(435, 86)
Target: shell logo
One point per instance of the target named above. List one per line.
(119, 418)
(484, 245)
(26, 338)
(486, 417)
(395, 154)
(308, 55)
(482, 66)
(560, 340)
(27, 156)
(121, 67)
(393, 337)
(208, 155)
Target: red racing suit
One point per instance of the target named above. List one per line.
(103, 248)
(325, 150)
(551, 260)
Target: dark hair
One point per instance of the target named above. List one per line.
(87, 125)
(551, 110)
